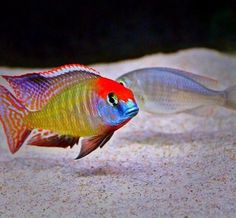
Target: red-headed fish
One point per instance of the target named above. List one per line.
(61, 105)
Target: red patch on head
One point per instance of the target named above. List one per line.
(106, 86)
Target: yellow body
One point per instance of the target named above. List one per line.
(71, 112)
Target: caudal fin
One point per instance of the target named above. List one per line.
(231, 97)
(12, 113)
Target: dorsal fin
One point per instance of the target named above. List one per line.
(67, 69)
(35, 89)
(204, 80)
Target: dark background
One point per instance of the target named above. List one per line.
(51, 33)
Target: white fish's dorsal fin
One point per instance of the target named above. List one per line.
(204, 80)
(34, 90)
(68, 69)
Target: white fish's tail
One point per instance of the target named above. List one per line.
(231, 97)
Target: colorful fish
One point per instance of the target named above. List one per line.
(167, 91)
(61, 105)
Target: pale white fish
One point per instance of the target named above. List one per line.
(169, 91)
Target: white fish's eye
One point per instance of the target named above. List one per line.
(122, 82)
(112, 99)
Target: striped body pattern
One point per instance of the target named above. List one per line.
(168, 91)
(73, 112)
(62, 105)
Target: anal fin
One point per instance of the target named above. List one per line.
(46, 138)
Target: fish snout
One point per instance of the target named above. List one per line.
(131, 109)
(132, 112)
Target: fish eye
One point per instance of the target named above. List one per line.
(112, 99)
(122, 83)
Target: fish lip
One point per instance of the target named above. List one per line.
(131, 112)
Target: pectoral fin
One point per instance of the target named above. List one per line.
(90, 144)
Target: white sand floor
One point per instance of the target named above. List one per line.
(173, 166)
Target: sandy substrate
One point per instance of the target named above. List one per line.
(173, 166)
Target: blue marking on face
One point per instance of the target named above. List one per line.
(117, 113)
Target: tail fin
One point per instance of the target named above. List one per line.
(231, 97)
(11, 116)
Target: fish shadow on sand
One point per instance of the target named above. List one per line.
(67, 167)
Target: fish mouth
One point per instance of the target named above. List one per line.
(131, 112)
